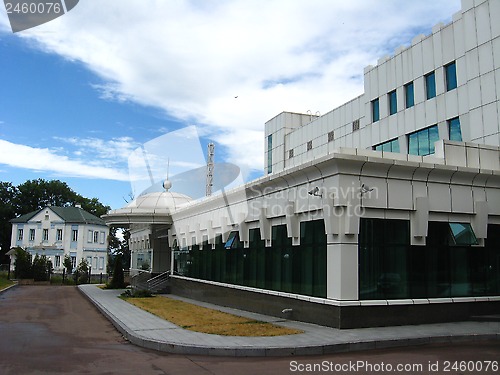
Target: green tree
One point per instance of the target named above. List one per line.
(67, 264)
(118, 280)
(8, 211)
(82, 271)
(41, 268)
(22, 267)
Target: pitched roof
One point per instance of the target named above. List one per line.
(68, 214)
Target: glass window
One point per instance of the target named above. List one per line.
(101, 263)
(383, 246)
(20, 234)
(45, 234)
(393, 102)
(96, 236)
(59, 234)
(32, 234)
(57, 261)
(389, 146)
(270, 153)
(451, 76)
(74, 235)
(409, 95)
(454, 129)
(422, 142)
(462, 234)
(375, 110)
(232, 241)
(89, 236)
(73, 262)
(430, 85)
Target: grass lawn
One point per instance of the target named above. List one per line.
(201, 319)
(4, 283)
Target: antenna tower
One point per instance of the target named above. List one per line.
(210, 169)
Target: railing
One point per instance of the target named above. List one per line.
(159, 282)
(140, 279)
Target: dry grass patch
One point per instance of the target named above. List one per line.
(201, 319)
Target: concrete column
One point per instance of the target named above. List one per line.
(342, 271)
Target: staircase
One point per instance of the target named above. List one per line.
(140, 280)
(159, 283)
(156, 284)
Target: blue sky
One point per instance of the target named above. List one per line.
(80, 93)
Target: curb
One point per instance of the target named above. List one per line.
(7, 288)
(168, 347)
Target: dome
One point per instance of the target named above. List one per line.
(164, 200)
(151, 208)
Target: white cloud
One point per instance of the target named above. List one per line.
(43, 159)
(113, 152)
(191, 58)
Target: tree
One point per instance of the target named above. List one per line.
(8, 211)
(82, 271)
(118, 280)
(41, 268)
(68, 264)
(22, 267)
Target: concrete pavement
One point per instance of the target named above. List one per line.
(149, 331)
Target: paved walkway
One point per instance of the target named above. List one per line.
(147, 330)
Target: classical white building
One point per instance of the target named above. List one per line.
(59, 231)
(385, 210)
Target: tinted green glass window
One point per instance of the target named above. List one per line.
(409, 95)
(375, 110)
(451, 76)
(454, 129)
(389, 146)
(269, 153)
(430, 85)
(422, 142)
(393, 102)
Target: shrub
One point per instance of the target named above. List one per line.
(137, 293)
(56, 279)
(118, 280)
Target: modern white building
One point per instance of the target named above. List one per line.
(383, 211)
(59, 231)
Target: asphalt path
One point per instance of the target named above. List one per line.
(55, 330)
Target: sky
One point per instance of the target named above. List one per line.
(81, 94)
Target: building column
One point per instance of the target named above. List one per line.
(342, 271)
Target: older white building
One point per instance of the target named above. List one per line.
(59, 231)
(385, 210)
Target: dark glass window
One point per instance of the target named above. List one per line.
(269, 153)
(430, 85)
(409, 95)
(375, 110)
(389, 146)
(393, 102)
(383, 246)
(454, 129)
(451, 76)
(422, 142)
